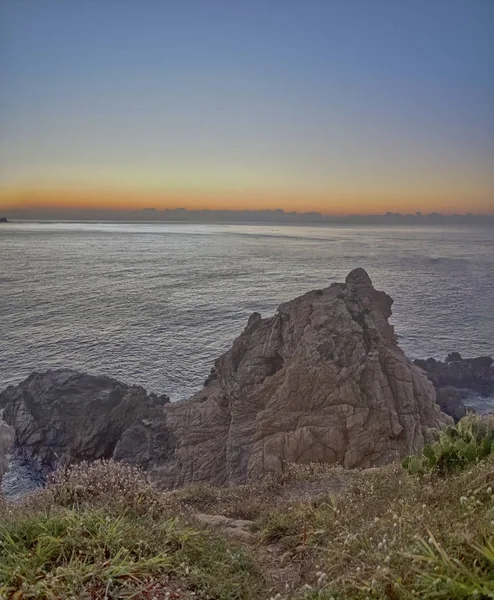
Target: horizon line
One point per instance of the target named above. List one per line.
(154, 210)
(279, 215)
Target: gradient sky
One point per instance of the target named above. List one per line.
(341, 106)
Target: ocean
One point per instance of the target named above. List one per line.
(155, 304)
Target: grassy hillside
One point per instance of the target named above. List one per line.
(422, 530)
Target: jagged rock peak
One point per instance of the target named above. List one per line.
(359, 277)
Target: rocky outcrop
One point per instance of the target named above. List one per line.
(451, 403)
(239, 529)
(321, 380)
(6, 439)
(475, 374)
(4, 220)
(64, 416)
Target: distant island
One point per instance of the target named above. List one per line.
(4, 220)
(276, 216)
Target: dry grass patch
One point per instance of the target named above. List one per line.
(250, 501)
(390, 535)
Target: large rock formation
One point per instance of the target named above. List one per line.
(321, 380)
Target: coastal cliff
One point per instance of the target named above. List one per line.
(321, 380)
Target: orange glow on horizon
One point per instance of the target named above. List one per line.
(343, 204)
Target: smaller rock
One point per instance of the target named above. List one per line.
(211, 377)
(481, 364)
(239, 529)
(160, 400)
(255, 317)
(6, 439)
(450, 402)
(475, 374)
(63, 416)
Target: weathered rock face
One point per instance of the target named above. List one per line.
(64, 416)
(321, 380)
(6, 439)
(476, 374)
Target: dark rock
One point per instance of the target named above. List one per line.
(450, 402)
(160, 400)
(480, 366)
(6, 440)
(475, 374)
(4, 220)
(254, 318)
(64, 416)
(211, 377)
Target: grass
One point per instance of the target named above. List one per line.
(73, 542)
(65, 552)
(393, 536)
(101, 531)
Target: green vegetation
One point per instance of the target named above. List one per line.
(116, 539)
(470, 441)
(101, 531)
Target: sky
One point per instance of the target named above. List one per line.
(339, 106)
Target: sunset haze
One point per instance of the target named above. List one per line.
(336, 106)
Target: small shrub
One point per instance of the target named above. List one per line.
(103, 483)
(442, 575)
(470, 441)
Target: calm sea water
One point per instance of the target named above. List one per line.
(155, 304)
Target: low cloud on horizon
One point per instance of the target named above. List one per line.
(247, 216)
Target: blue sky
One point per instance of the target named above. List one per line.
(365, 104)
